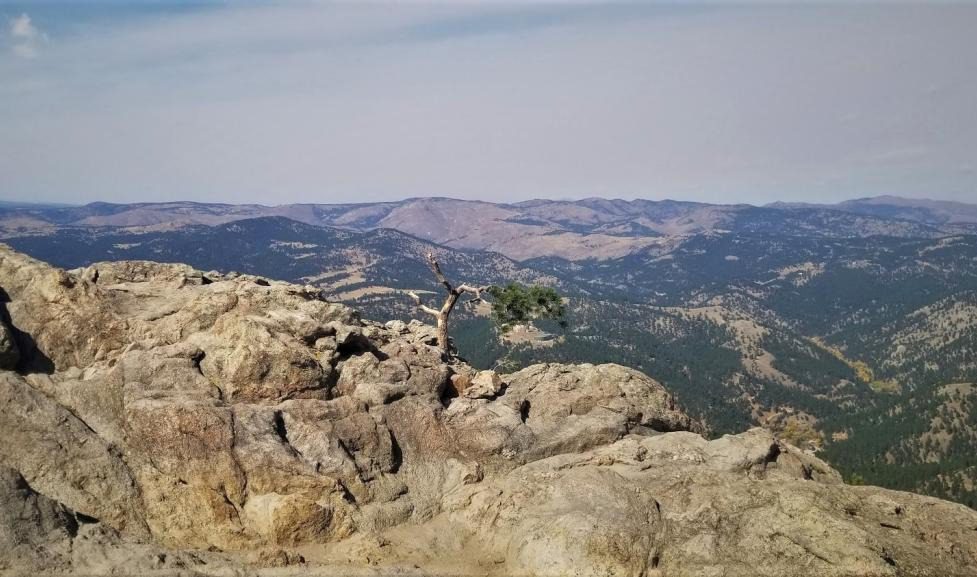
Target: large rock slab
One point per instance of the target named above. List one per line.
(677, 504)
(59, 455)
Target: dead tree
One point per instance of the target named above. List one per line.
(454, 293)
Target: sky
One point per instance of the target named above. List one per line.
(343, 102)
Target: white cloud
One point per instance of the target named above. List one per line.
(27, 39)
(22, 27)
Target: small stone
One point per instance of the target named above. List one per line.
(485, 385)
(460, 382)
(279, 558)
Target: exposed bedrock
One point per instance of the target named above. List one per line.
(152, 409)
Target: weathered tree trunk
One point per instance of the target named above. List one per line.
(449, 305)
(441, 316)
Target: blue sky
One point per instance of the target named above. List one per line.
(339, 102)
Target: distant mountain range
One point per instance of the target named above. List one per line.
(574, 230)
(936, 212)
(850, 329)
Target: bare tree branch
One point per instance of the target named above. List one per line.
(436, 268)
(476, 292)
(420, 304)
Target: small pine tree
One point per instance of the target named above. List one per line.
(516, 304)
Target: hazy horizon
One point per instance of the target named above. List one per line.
(314, 102)
(29, 203)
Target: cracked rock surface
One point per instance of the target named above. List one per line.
(160, 420)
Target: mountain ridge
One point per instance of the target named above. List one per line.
(589, 228)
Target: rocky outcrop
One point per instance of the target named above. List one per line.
(156, 409)
(740, 505)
